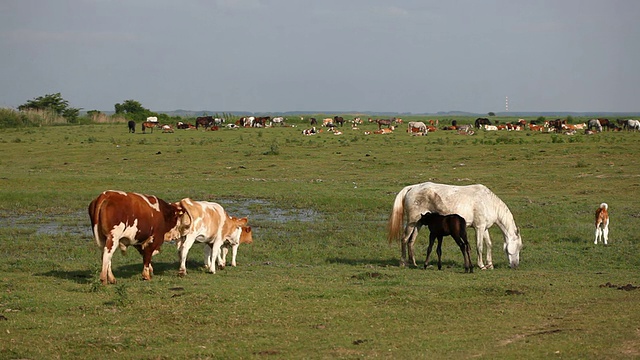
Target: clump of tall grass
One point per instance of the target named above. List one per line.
(10, 118)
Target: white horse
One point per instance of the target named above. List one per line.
(632, 124)
(422, 127)
(594, 123)
(480, 208)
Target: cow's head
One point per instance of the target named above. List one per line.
(246, 236)
(175, 233)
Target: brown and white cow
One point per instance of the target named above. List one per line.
(209, 223)
(120, 219)
(246, 237)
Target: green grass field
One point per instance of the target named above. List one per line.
(320, 280)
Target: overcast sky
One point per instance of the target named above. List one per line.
(326, 55)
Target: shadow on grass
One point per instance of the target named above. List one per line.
(120, 272)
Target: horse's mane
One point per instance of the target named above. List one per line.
(503, 214)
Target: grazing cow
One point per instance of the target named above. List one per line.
(209, 223)
(120, 219)
(602, 223)
(132, 126)
(246, 237)
(278, 120)
(327, 121)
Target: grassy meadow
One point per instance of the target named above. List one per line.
(320, 280)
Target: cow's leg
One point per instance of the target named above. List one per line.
(215, 255)
(183, 251)
(106, 275)
(208, 260)
(605, 233)
(597, 234)
(487, 241)
(222, 259)
(234, 252)
(147, 270)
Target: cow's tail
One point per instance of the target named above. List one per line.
(394, 227)
(604, 206)
(94, 214)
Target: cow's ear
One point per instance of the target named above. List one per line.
(243, 221)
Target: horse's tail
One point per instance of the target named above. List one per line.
(604, 206)
(394, 225)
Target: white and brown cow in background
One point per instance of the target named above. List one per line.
(120, 219)
(209, 223)
(246, 237)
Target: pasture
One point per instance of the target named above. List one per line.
(320, 279)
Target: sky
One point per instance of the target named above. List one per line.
(407, 56)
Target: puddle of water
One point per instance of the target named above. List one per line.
(255, 210)
(262, 210)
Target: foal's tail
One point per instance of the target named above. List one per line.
(604, 206)
(394, 225)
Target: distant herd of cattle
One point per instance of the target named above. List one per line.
(386, 126)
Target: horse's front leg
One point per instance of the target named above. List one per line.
(487, 240)
(439, 251)
(479, 245)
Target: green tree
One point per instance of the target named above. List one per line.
(130, 107)
(52, 102)
(491, 113)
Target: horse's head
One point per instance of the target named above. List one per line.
(512, 247)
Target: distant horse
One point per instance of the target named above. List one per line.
(313, 121)
(148, 125)
(602, 223)
(205, 121)
(481, 122)
(382, 122)
(632, 124)
(594, 123)
(480, 207)
(447, 225)
(417, 127)
(604, 122)
(338, 120)
(132, 126)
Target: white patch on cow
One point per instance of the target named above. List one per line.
(116, 191)
(122, 231)
(155, 206)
